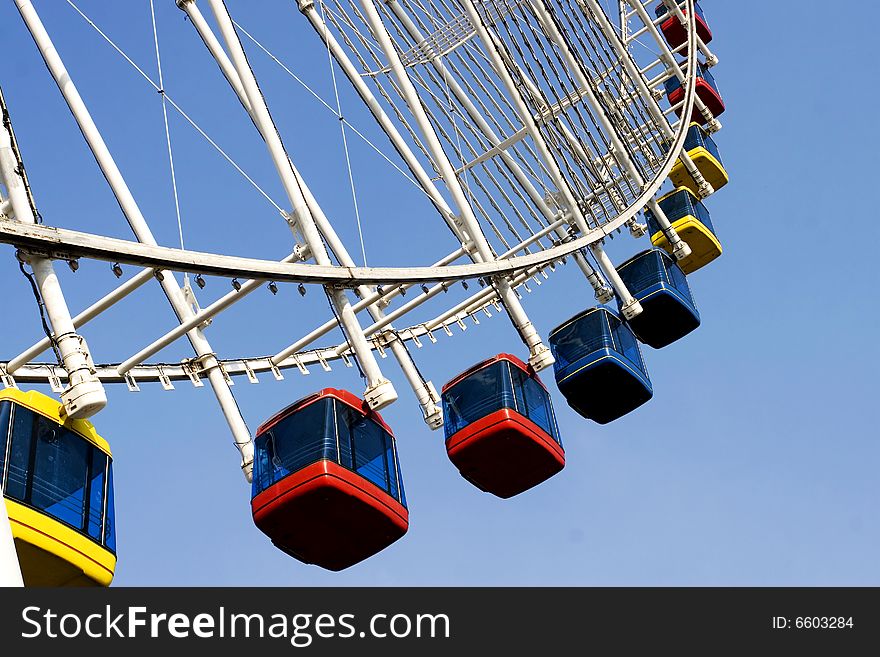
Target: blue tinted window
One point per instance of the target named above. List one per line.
(393, 472)
(695, 138)
(477, 395)
(679, 281)
(300, 439)
(703, 216)
(533, 402)
(710, 146)
(580, 337)
(110, 518)
(61, 474)
(369, 445)
(96, 494)
(643, 271)
(704, 73)
(20, 454)
(60, 471)
(402, 497)
(4, 437)
(677, 205)
(627, 344)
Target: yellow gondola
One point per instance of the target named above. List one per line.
(690, 219)
(57, 482)
(702, 150)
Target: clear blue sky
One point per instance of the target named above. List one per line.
(756, 462)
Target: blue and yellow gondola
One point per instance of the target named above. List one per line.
(702, 149)
(691, 221)
(57, 481)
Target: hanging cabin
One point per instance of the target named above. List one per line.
(501, 431)
(701, 148)
(707, 91)
(327, 487)
(57, 482)
(675, 33)
(668, 309)
(691, 221)
(599, 367)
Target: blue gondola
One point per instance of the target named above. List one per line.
(669, 312)
(599, 367)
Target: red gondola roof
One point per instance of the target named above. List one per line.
(346, 397)
(513, 360)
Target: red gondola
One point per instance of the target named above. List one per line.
(707, 91)
(673, 30)
(327, 487)
(500, 428)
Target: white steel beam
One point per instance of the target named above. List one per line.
(140, 228)
(380, 391)
(84, 396)
(478, 247)
(102, 304)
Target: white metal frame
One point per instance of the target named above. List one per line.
(566, 232)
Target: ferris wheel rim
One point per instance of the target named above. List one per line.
(66, 244)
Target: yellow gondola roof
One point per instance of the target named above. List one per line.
(52, 409)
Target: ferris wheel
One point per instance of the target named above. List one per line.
(536, 129)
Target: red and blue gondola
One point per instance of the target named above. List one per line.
(675, 33)
(327, 487)
(500, 427)
(707, 91)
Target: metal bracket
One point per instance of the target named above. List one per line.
(302, 368)
(192, 374)
(225, 374)
(275, 371)
(7, 379)
(251, 375)
(55, 381)
(324, 364)
(165, 380)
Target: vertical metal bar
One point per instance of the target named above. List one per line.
(494, 140)
(630, 304)
(704, 188)
(139, 226)
(478, 247)
(380, 391)
(10, 569)
(424, 391)
(84, 395)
